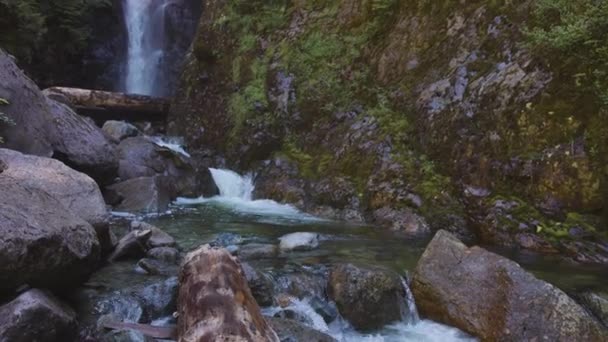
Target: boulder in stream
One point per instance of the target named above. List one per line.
(368, 298)
(299, 241)
(494, 299)
(215, 302)
(144, 194)
(37, 316)
(42, 243)
(294, 331)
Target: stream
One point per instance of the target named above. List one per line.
(235, 220)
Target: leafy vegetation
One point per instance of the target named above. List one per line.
(574, 30)
(28, 26)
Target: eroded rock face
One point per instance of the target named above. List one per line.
(37, 316)
(493, 298)
(367, 298)
(42, 243)
(214, 301)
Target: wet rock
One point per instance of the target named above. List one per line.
(402, 220)
(37, 316)
(131, 246)
(215, 302)
(493, 298)
(302, 283)
(158, 237)
(227, 239)
(299, 241)
(42, 243)
(260, 285)
(327, 310)
(165, 254)
(119, 130)
(597, 303)
(145, 194)
(257, 251)
(160, 299)
(368, 298)
(293, 331)
(156, 267)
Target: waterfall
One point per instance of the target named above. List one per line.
(145, 20)
(232, 185)
(236, 194)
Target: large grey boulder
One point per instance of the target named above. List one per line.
(368, 298)
(494, 299)
(48, 128)
(42, 243)
(37, 316)
(76, 191)
(143, 194)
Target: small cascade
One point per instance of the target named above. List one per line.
(233, 185)
(236, 194)
(410, 314)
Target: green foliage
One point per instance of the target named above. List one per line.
(61, 24)
(572, 34)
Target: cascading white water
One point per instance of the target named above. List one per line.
(236, 193)
(144, 21)
(411, 314)
(231, 184)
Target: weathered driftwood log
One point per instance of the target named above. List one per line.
(97, 100)
(215, 303)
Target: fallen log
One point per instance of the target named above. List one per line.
(215, 302)
(94, 102)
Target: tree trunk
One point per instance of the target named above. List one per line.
(215, 303)
(87, 101)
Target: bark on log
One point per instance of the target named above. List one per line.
(99, 100)
(215, 302)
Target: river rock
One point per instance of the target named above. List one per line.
(493, 298)
(159, 299)
(299, 241)
(37, 316)
(119, 130)
(132, 245)
(157, 267)
(142, 157)
(47, 128)
(294, 331)
(144, 194)
(256, 251)
(260, 285)
(42, 243)
(215, 302)
(166, 254)
(368, 298)
(158, 238)
(405, 220)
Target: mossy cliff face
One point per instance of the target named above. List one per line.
(412, 114)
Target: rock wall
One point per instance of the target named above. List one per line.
(411, 114)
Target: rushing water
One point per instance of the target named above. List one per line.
(247, 221)
(144, 20)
